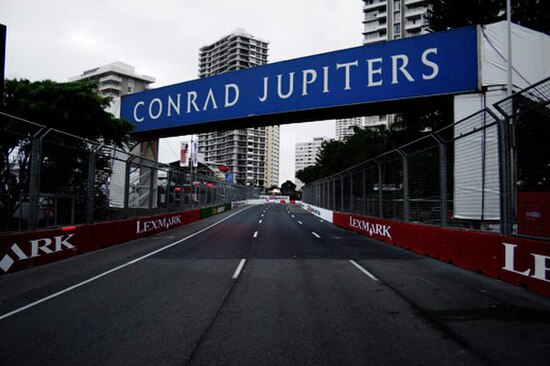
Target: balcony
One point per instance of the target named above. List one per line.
(416, 12)
(109, 87)
(110, 78)
(416, 25)
(375, 28)
(375, 4)
(414, 2)
(374, 37)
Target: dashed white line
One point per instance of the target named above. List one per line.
(255, 234)
(292, 216)
(239, 269)
(259, 222)
(372, 277)
(317, 235)
(299, 222)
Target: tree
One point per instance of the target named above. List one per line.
(309, 174)
(445, 14)
(288, 188)
(414, 124)
(70, 107)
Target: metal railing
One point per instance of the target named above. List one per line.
(51, 178)
(487, 172)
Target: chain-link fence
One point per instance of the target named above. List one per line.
(527, 161)
(51, 178)
(452, 177)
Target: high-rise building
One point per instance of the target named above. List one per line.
(344, 126)
(116, 79)
(385, 20)
(305, 155)
(252, 155)
(272, 158)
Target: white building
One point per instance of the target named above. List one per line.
(305, 155)
(115, 80)
(251, 154)
(386, 20)
(344, 126)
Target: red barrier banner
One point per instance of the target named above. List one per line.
(383, 230)
(515, 260)
(526, 262)
(31, 249)
(28, 249)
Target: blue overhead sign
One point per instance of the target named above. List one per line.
(429, 65)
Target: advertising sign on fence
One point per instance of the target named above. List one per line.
(428, 65)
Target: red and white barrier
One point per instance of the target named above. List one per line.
(515, 260)
(28, 249)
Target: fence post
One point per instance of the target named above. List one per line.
(127, 181)
(364, 191)
(341, 193)
(334, 193)
(324, 194)
(351, 191)
(34, 178)
(91, 183)
(380, 196)
(152, 183)
(503, 126)
(442, 179)
(327, 194)
(406, 198)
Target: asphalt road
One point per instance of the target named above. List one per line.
(265, 285)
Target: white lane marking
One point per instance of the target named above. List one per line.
(321, 220)
(363, 270)
(92, 279)
(299, 222)
(255, 234)
(259, 222)
(292, 216)
(262, 215)
(317, 235)
(239, 269)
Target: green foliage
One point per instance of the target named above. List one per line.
(368, 143)
(445, 14)
(414, 124)
(309, 174)
(335, 156)
(64, 160)
(288, 187)
(71, 107)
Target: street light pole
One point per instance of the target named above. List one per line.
(509, 40)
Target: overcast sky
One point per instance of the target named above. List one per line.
(57, 39)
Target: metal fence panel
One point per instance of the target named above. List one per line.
(528, 155)
(483, 173)
(51, 178)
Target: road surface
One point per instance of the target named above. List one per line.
(265, 285)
